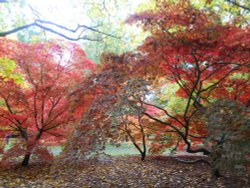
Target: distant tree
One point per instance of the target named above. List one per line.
(109, 15)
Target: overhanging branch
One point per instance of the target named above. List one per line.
(46, 25)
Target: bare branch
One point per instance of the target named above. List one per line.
(46, 25)
(238, 5)
(165, 123)
(165, 111)
(199, 137)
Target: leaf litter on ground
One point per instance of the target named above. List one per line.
(125, 171)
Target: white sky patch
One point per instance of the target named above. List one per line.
(59, 11)
(66, 12)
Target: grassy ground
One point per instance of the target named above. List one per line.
(124, 149)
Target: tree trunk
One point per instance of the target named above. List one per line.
(26, 159)
(189, 150)
(216, 173)
(143, 156)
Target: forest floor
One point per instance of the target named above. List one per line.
(120, 172)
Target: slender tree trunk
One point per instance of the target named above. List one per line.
(26, 159)
(143, 149)
(143, 156)
(27, 156)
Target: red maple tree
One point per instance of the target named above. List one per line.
(42, 110)
(206, 58)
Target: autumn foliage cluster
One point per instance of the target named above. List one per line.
(40, 108)
(59, 96)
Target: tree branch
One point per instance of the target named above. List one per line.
(165, 123)
(165, 111)
(238, 5)
(46, 25)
